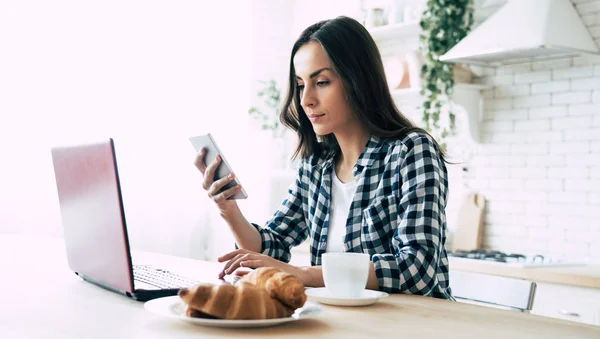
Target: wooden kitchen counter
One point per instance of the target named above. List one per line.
(581, 276)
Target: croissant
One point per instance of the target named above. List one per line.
(242, 301)
(280, 285)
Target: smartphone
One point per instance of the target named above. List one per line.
(211, 150)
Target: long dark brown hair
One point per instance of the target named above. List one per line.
(356, 60)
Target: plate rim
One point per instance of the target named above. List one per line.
(170, 301)
(380, 295)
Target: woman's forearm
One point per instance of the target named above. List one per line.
(246, 236)
(372, 281)
(313, 277)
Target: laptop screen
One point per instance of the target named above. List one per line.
(92, 213)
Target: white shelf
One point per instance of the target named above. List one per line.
(405, 92)
(394, 31)
(412, 92)
(461, 86)
(407, 96)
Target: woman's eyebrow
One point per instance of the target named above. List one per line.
(315, 73)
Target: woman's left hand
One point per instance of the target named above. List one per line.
(244, 258)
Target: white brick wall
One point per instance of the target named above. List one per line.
(539, 163)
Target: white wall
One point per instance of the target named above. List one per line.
(147, 73)
(539, 161)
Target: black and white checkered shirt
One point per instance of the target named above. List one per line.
(397, 215)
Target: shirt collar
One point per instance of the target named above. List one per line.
(370, 152)
(366, 158)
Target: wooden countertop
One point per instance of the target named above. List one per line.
(44, 299)
(581, 276)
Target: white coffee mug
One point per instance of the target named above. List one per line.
(345, 274)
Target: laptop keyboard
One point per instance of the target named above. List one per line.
(160, 278)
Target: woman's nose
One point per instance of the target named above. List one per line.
(308, 98)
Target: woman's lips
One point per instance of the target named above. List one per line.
(315, 117)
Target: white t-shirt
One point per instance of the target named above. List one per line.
(341, 199)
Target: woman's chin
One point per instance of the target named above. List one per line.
(320, 131)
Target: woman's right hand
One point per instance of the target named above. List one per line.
(212, 187)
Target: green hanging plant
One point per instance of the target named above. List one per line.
(444, 23)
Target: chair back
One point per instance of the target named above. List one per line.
(490, 290)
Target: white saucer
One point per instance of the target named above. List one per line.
(323, 296)
(174, 308)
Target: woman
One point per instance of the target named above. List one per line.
(370, 181)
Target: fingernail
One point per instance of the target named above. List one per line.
(201, 151)
(218, 158)
(230, 176)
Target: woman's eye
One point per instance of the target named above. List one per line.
(300, 87)
(322, 83)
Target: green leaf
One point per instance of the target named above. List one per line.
(444, 23)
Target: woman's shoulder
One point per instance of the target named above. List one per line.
(415, 141)
(312, 163)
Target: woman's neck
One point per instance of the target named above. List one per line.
(352, 142)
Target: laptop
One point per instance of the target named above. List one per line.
(95, 232)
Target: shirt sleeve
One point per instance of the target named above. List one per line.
(287, 228)
(412, 267)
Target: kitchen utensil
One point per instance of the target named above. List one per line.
(469, 227)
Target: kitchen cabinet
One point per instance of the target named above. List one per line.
(563, 292)
(567, 302)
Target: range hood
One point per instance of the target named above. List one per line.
(523, 31)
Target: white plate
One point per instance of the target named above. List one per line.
(323, 296)
(173, 307)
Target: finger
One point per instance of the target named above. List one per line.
(209, 174)
(222, 274)
(235, 263)
(199, 161)
(230, 263)
(240, 272)
(226, 194)
(232, 254)
(217, 185)
(255, 263)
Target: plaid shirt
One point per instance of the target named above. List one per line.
(397, 215)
